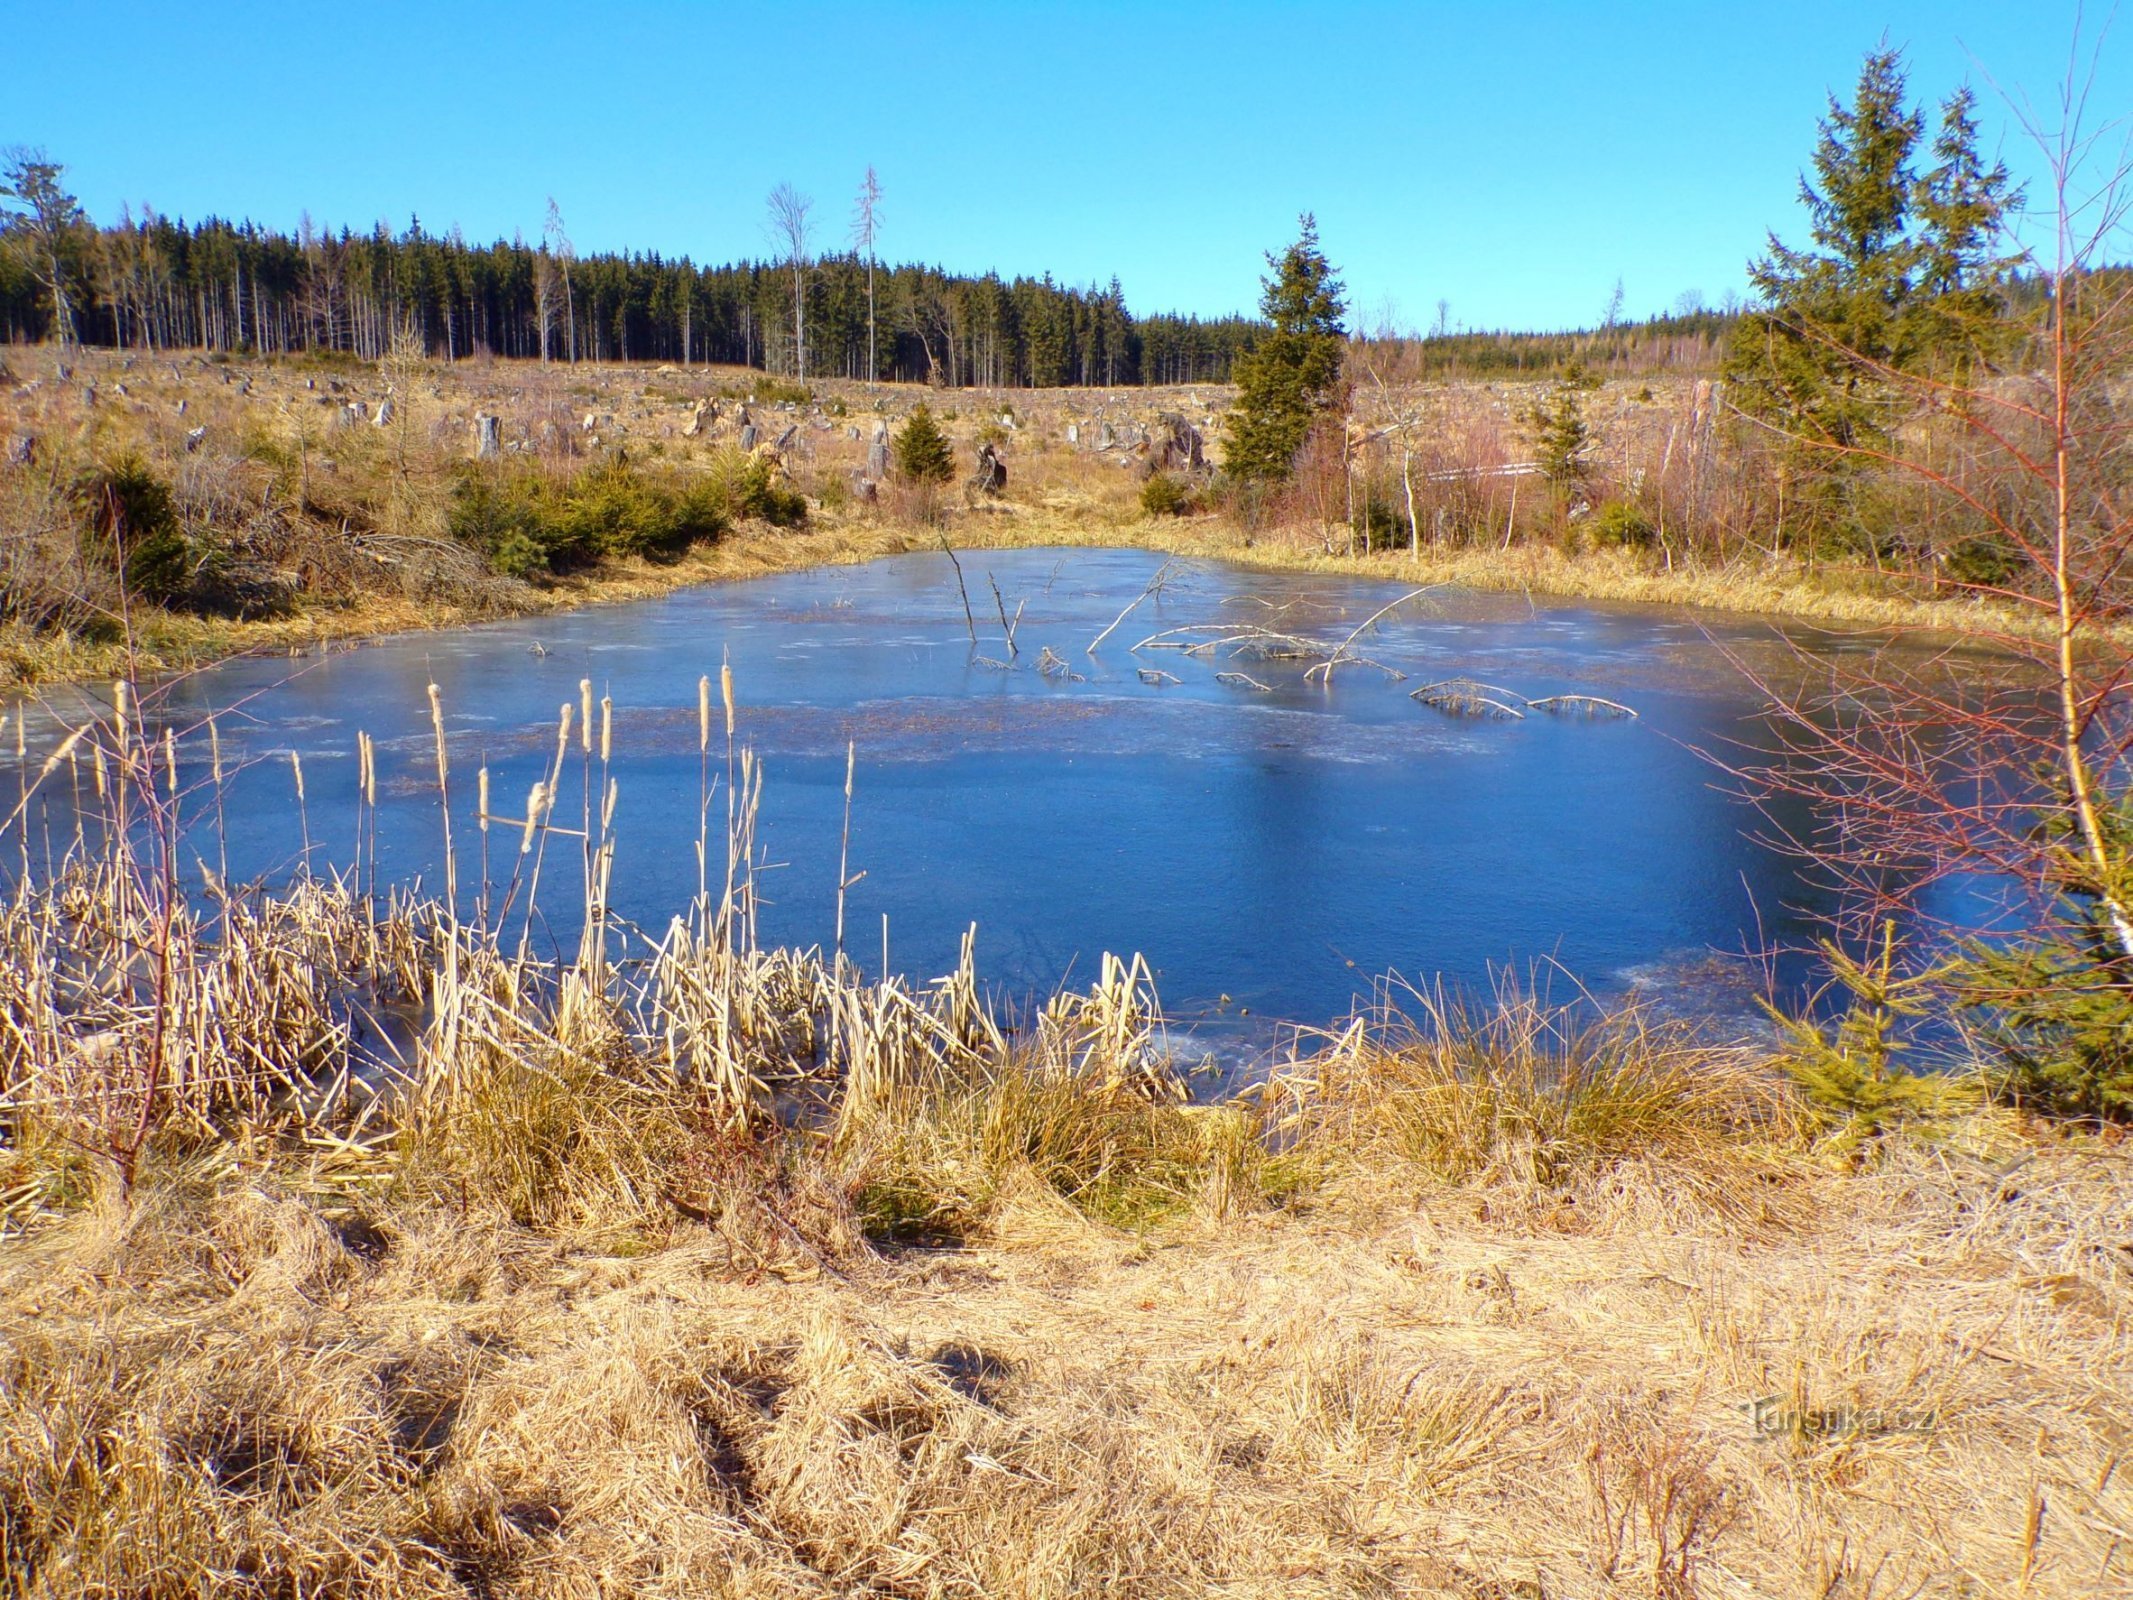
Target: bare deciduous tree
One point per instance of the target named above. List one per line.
(866, 227)
(789, 228)
(560, 248)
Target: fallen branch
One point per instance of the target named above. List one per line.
(1154, 584)
(1340, 653)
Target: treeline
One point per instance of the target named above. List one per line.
(156, 283)
(1692, 341)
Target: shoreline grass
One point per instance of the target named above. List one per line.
(357, 529)
(732, 1272)
(1781, 592)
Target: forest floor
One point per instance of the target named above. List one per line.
(270, 456)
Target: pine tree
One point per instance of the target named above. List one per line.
(923, 454)
(2057, 1003)
(1293, 373)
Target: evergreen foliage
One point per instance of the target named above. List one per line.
(150, 282)
(132, 527)
(1561, 432)
(529, 524)
(1292, 373)
(922, 452)
(1164, 495)
(1848, 1075)
(2057, 1005)
(1900, 276)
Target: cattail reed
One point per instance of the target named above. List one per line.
(703, 787)
(303, 812)
(444, 794)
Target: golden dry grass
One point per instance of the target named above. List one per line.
(235, 1386)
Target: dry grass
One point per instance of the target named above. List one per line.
(243, 1382)
(351, 519)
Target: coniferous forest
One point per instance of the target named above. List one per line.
(155, 282)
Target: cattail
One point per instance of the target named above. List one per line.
(296, 765)
(214, 750)
(170, 760)
(607, 728)
(451, 869)
(607, 811)
(585, 727)
(65, 752)
(703, 713)
(725, 687)
(437, 726)
(534, 802)
(481, 793)
(118, 709)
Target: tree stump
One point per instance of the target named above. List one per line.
(488, 437)
(22, 449)
(194, 439)
(748, 436)
(385, 415)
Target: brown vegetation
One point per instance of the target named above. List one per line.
(305, 517)
(733, 1272)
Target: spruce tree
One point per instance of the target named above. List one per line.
(1899, 276)
(1960, 274)
(922, 451)
(1831, 312)
(1293, 373)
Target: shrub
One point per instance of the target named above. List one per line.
(1985, 561)
(133, 529)
(505, 517)
(1165, 496)
(922, 452)
(613, 510)
(749, 487)
(1383, 528)
(1848, 1075)
(2056, 1004)
(1621, 525)
(526, 525)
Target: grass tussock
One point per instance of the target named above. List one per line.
(1552, 1103)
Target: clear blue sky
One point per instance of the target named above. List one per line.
(1513, 159)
